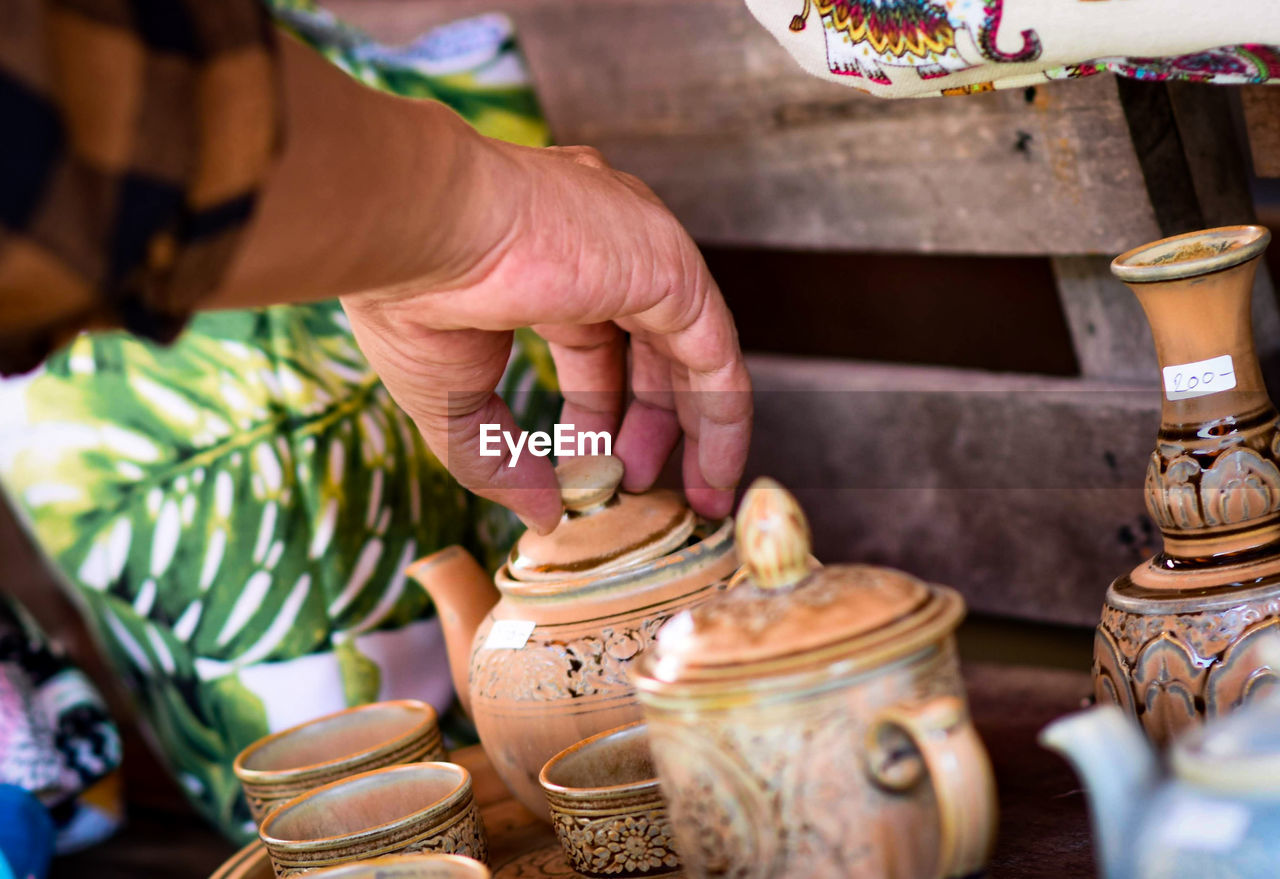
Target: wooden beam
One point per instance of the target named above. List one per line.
(1193, 163)
(1024, 493)
(1262, 119)
(701, 102)
(1216, 155)
(1109, 331)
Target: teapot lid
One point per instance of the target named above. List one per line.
(785, 610)
(603, 529)
(1236, 753)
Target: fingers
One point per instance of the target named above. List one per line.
(692, 335)
(665, 408)
(695, 330)
(650, 429)
(591, 367)
(714, 503)
(482, 460)
(711, 501)
(445, 381)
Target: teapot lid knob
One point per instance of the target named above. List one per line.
(773, 535)
(588, 481)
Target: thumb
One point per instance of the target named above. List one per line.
(475, 443)
(445, 380)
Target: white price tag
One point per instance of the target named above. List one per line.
(1199, 379)
(509, 634)
(1206, 825)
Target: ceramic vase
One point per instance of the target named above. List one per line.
(1187, 634)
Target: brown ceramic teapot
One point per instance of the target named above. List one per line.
(542, 661)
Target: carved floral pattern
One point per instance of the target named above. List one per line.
(720, 811)
(465, 837)
(1166, 680)
(547, 863)
(547, 669)
(1174, 500)
(1245, 671)
(780, 790)
(619, 845)
(1110, 683)
(1242, 484)
(1174, 670)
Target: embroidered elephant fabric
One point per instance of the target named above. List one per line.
(921, 48)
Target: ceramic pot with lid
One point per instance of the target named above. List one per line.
(544, 658)
(813, 722)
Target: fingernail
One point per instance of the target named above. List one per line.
(532, 525)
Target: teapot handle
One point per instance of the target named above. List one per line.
(958, 767)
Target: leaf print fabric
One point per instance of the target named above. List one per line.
(921, 48)
(235, 513)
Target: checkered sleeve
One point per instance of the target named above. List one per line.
(136, 134)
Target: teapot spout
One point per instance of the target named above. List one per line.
(463, 594)
(1119, 770)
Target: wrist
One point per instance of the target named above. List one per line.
(361, 196)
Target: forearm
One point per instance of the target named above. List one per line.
(367, 193)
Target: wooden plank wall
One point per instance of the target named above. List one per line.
(1023, 492)
(700, 102)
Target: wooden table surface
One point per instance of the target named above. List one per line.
(1043, 829)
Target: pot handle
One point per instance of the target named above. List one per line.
(947, 748)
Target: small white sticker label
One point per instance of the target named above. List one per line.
(1207, 825)
(1199, 379)
(509, 634)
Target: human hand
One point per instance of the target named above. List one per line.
(556, 240)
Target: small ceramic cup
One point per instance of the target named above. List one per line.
(418, 807)
(409, 867)
(606, 807)
(302, 758)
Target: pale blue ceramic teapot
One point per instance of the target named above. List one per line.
(1210, 810)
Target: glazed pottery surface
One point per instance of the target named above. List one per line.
(545, 657)
(1181, 635)
(607, 809)
(813, 722)
(416, 807)
(1215, 811)
(251, 862)
(409, 867)
(281, 766)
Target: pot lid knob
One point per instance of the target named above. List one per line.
(588, 481)
(773, 535)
